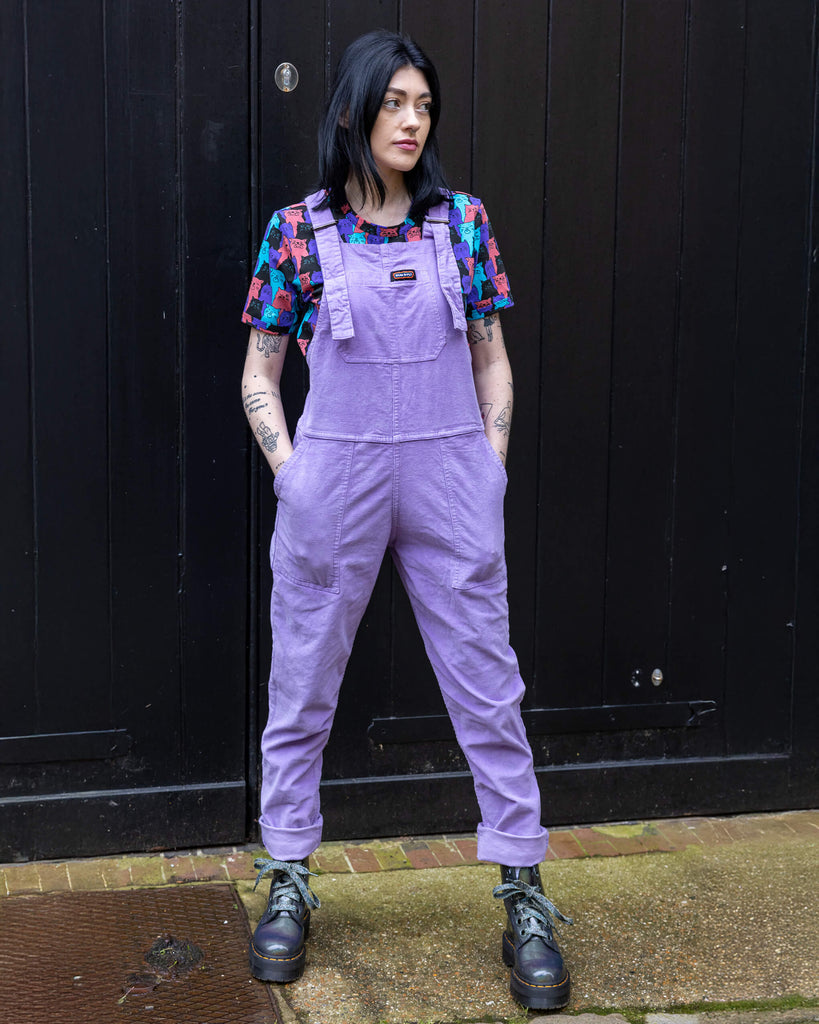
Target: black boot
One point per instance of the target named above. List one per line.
(277, 947)
(539, 979)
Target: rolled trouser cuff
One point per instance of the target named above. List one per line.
(291, 843)
(515, 851)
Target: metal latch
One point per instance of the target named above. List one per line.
(699, 709)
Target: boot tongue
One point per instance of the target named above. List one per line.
(527, 875)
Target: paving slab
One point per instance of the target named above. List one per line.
(800, 1015)
(761, 1015)
(709, 924)
(578, 1018)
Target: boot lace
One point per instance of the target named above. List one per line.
(289, 890)
(535, 914)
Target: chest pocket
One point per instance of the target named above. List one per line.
(397, 308)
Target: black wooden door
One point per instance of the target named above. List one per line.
(648, 167)
(659, 259)
(124, 218)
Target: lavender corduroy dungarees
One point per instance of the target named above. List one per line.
(390, 452)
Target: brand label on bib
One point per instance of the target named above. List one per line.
(402, 275)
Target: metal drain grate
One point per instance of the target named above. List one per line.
(79, 958)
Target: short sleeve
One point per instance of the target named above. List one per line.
(483, 275)
(274, 302)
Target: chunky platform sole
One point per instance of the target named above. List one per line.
(534, 997)
(278, 968)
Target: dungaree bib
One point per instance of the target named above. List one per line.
(389, 360)
(390, 453)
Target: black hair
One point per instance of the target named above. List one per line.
(362, 77)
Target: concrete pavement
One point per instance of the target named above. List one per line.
(707, 919)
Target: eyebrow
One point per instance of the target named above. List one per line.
(403, 92)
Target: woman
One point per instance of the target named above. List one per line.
(401, 445)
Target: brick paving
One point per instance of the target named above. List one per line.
(401, 854)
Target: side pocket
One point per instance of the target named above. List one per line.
(310, 514)
(494, 458)
(476, 484)
(287, 466)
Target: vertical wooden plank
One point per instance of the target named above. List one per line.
(584, 64)
(776, 168)
(68, 239)
(643, 346)
(511, 55)
(289, 121)
(17, 555)
(349, 19)
(142, 281)
(284, 152)
(445, 32)
(256, 593)
(806, 662)
(704, 381)
(214, 198)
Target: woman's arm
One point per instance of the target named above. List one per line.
(493, 380)
(261, 397)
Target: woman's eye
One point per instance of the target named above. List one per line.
(391, 104)
(425, 108)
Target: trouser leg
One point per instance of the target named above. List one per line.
(332, 528)
(450, 556)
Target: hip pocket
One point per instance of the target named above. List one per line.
(476, 484)
(310, 513)
(494, 459)
(286, 467)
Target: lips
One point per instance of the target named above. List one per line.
(410, 145)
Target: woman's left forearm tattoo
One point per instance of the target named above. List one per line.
(268, 439)
(255, 401)
(503, 421)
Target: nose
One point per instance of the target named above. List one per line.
(411, 120)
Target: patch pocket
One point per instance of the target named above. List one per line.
(475, 490)
(310, 514)
(396, 320)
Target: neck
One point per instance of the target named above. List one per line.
(394, 209)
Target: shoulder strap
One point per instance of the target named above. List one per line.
(328, 248)
(439, 214)
(438, 219)
(319, 218)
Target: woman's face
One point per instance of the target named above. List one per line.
(402, 126)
